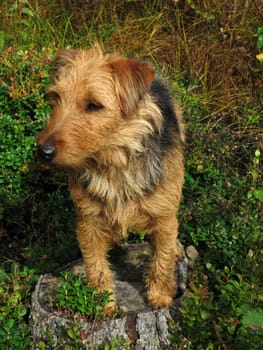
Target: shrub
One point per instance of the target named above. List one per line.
(15, 289)
(220, 311)
(73, 295)
(29, 193)
(221, 215)
(23, 79)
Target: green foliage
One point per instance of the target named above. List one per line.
(221, 216)
(25, 189)
(198, 11)
(73, 341)
(259, 35)
(2, 40)
(215, 313)
(74, 295)
(117, 343)
(221, 206)
(23, 79)
(52, 241)
(234, 223)
(15, 289)
(27, 23)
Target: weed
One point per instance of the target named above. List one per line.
(73, 342)
(15, 289)
(22, 83)
(259, 36)
(117, 343)
(73, 295)
(216, 313)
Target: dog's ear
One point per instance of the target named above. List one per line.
(62, 58)
(132, 81)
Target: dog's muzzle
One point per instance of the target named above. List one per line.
(47, 151)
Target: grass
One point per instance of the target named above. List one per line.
(208, 49)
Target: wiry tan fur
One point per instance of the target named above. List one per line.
(115, 180)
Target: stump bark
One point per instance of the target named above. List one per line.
(139, 325)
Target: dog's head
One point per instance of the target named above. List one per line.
(95, 98)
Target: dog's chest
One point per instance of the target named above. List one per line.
(116, 187)
(113, 185)
(114, 199)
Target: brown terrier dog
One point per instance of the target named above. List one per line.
(118, 133)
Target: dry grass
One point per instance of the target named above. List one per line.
(211, 43)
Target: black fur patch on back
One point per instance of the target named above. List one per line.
(164, 101)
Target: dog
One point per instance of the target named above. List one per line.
(118, 133)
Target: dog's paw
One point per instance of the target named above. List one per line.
(160, 301)
(110, 308)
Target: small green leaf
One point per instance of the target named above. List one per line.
(209, 266)
(22, 312)
(41, 345)
(260, 41)
(259, 194)
(205, 314)
(70, 333)
(257, 151)
(259, 31)
(28, 11)
(9, 324)
(253, 318)
(26, 22)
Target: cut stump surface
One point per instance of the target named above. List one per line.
(141, 326)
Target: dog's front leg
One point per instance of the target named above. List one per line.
(94, 243)
(161, 280)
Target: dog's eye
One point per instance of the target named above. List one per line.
(92, 106)
(52, 97)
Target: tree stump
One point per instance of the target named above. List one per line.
(141, 326)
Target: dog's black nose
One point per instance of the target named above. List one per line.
(47, 151)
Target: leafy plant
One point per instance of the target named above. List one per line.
(216, 315)
(117, 343)
(259, 45)
(15, 289)
(75, 296)
(23, 78)
(259, 35)
(221, 215)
